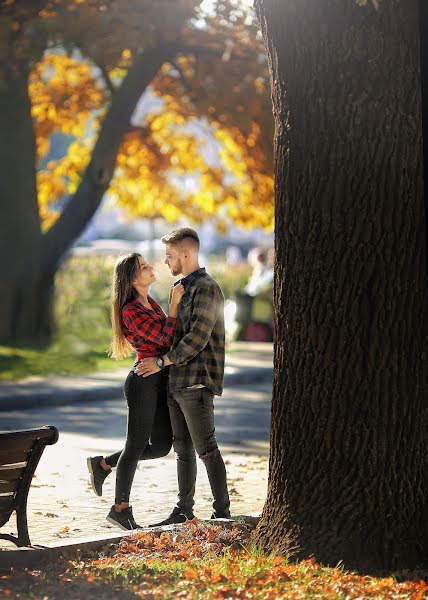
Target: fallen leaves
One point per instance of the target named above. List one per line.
(198, 561)
(62, 532)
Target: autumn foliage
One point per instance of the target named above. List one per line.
(198, 561)
(205, 107)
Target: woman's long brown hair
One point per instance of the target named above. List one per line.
(122, 291)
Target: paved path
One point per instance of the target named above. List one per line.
(61, 502)
(246, 362)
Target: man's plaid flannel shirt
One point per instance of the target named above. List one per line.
(150, 332)
(197, 351)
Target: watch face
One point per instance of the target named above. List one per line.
(159, 362)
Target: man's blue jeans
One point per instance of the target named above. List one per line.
(192, 421)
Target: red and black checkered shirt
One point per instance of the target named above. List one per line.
(150, 332)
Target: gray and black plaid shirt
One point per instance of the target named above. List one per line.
(197, 351)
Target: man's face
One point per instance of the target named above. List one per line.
(173, 260)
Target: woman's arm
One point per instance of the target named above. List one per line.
(144, 328)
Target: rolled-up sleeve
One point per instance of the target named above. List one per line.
(207, 302)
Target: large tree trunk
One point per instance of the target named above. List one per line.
(29, 260)
(423, 25)
(23, 299)
(347, 461)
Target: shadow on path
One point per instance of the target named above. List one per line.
(242, 418)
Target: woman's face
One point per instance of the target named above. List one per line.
(144, 275)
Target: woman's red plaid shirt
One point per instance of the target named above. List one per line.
(150, 332)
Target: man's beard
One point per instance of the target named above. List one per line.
(176, 270)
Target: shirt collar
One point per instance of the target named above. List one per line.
(185, 281)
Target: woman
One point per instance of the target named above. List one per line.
(139, 324)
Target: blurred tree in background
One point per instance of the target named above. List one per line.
(79, 68)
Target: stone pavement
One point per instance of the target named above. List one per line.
(61, 503)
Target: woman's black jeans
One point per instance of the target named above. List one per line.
(149, 428)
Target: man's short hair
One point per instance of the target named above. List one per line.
(184, 234)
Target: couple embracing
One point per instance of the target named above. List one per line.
(170, 390)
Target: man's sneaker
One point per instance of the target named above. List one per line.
(97, 473)
(123, 519)
(175, 518)
(221, 515)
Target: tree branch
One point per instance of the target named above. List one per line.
(220, 53)
(106, 78)
(182, 76)
(96, 179)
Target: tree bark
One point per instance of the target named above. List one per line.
(20, 236)
(347, 462)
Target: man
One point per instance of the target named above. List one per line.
(195, 376)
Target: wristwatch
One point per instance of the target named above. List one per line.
(159, 362)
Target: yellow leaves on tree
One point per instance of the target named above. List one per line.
(162, 167)
(60, 177)
(65, 94)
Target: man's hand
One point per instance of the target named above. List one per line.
(147, 367)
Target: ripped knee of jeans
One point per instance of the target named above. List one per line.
(210, 454)
(183, 449)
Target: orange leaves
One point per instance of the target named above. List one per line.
(190, 574)
(188, 543)
(58, 178)
(177, 564)
(64, 95)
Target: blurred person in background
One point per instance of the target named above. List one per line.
(257, 259)
(254, 303)
(233, 256)
(139, 324)
(265, 280)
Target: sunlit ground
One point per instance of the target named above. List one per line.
(61, 503)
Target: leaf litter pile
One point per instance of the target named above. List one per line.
(197, 561)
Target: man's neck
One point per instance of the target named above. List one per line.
(190, 269)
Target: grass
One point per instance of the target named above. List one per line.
(200, 562)
(83, 325)
(82, 315)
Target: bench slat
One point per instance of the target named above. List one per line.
(11, 444)
(10, 457)
(7, 486)
(9, 480)
(6, 508)
(6, 502)
(50, 434)
(12, 474)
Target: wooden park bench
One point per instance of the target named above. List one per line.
(20, 452)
